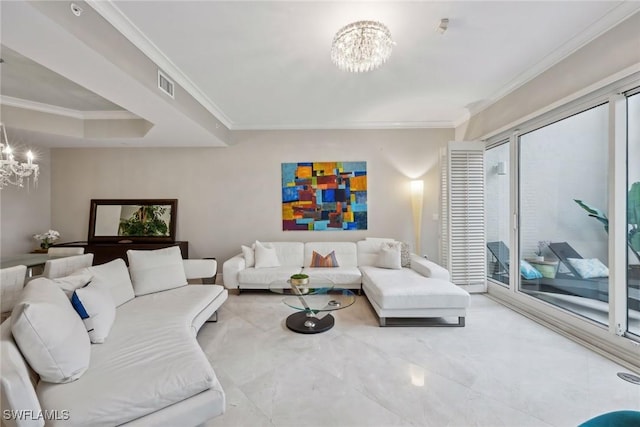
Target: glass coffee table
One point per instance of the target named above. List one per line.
(315, 301)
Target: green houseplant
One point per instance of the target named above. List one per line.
(146, 221)
(633, 217)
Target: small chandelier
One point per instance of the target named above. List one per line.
(361, 46)
(12, 171)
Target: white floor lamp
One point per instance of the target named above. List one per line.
(417, 191)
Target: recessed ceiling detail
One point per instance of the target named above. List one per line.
(266, 65)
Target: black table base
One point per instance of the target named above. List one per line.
(301, 323)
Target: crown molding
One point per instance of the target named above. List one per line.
(66, 112)
(439, 124)
(614, 17)
(113, 15)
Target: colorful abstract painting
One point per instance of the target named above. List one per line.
(324, 196)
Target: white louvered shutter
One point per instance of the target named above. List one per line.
(444, 208)
(465, 237)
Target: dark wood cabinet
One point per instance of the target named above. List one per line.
(105, 252)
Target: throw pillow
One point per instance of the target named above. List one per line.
(318, 260)
(75, 281)
(266, 256)
(112, 276)
(589, 268)
(157, 270)
(97, 310)
(528, 271)
(249, 255)
(405, 255)
(49, 332)
(390, 255)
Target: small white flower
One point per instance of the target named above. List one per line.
(48, 237)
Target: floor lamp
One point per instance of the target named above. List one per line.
(417, 191)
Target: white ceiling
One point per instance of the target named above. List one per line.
(266, 64)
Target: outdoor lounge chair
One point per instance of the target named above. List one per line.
(564, 283)
(561, 284)
(500, 252)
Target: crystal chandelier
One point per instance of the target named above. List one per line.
(12, 171)
(361, 46)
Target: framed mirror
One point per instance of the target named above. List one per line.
(133, 220)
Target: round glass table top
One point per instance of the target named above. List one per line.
(319, 295)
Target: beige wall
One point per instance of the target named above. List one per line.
(231, 196)
(26, 211)
(614, 51)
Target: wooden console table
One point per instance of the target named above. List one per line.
(105, 252)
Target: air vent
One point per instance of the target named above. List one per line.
(165, 84)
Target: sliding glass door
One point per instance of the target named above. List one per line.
(563, 194)
(633, 213)
(497, 207)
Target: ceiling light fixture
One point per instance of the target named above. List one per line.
(361, 46)
(12, 171)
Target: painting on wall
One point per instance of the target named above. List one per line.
(324, 196)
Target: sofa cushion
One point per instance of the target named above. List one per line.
(113, 276)
(342, 277)
(97, 310)
(157, 270)
(328, 261)
(368, 251)
(406, 289)
(290, 254)
(49, 332)
(266, 256)
(264, 276)
(390, 255)
(152, 341)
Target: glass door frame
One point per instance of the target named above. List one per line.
(614, 340)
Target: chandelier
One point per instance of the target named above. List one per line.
(361, 46)
(12, 171)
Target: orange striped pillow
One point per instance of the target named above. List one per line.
(318, 260)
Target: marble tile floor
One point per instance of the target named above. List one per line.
(502, 369)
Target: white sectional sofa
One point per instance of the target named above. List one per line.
(149, 371)
(295, 257)
(421, 290)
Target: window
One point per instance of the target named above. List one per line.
(497, 209)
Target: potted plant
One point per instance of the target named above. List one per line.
(299, 279)
(633, 217)
(47, 239)
(539, 252)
